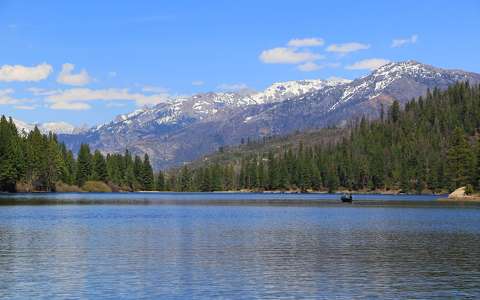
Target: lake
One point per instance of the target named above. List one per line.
(237, 246)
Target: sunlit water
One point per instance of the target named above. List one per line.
(167, 246)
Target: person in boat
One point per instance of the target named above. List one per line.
(347, 197)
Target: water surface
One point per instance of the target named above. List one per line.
(267, 251)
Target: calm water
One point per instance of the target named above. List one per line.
(171, 246)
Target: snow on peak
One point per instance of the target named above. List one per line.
(22, 126)
(55, 127)
(280, 91)
(375, 83)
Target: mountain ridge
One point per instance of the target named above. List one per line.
(182, 130)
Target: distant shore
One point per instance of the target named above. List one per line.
(339, 192)
(459, 195)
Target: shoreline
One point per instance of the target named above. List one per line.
(289, 192)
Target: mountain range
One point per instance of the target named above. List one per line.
(185, 128)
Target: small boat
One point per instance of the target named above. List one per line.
(347, 198)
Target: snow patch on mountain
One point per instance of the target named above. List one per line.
(54, 127)
(282, 90)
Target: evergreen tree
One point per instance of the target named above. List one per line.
(160, 182)
(460, 160)
(84, 164)
(147, 174)
(99, 170)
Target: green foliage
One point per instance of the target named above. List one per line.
(99, 167)
(96, 187)
(469, 189)
(37, 162)
(84, 165)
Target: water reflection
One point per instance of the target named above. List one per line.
(239, 252)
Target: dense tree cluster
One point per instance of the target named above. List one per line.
(38, 162)
(429, 145)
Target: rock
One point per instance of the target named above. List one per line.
(458, 193)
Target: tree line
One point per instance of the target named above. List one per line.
(38, 162)
(429, 145)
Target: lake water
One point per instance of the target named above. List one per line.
(237, 246)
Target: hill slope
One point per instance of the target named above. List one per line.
(430, 146)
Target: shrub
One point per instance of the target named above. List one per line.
(96, 187)
(469, 189)
(24, 187)
(61, 187)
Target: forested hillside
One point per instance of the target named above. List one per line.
(37, 162)
(430, 145)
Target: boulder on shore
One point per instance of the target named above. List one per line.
(458, 193)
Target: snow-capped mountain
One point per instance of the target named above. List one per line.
(280, 91)
(55, 127)
(200, 107)
(185, 128)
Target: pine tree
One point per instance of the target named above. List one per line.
(138, 173)
(147, 174)
(99, 170)
(460, 160)
(160, 182)
(84, 164)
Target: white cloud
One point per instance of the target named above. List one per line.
(232, 86)
(309, 67)
(26, 107)
(396, 43)
(76, 98)
(70, 106)
(6, 98)
(115, 104)
(66, 76)
(198, 82)
(40, 91)
(22, 73)
(283, 55)
(112, 74)
(312, 66)
(308, 42)
(347, 48)
(154, 89)
(368, 64)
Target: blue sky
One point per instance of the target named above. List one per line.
(88, 61)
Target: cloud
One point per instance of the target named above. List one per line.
(308, 42)
(309, 67)
(154, 89)
(397, 43)
(112, 74)
(6, 98)
(115, 104)
(67, 77)
(368, 64)
(70, 106)
(22, 73)
(77, 98)
(283, 55)
(232, 87)
(198, 82)
(26, 107)
(346, 48)
(312, 66)
(41, 92)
